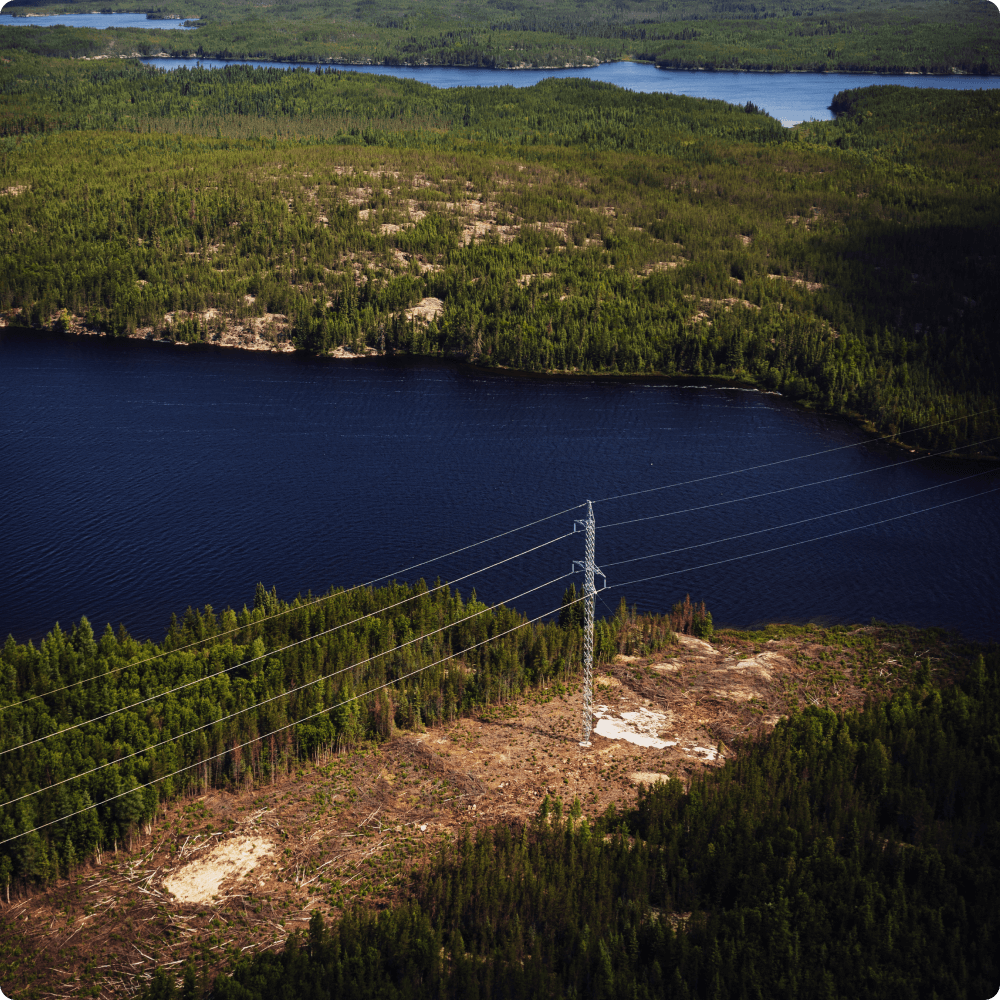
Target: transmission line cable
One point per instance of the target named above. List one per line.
(290, 725)
(485, 541)
(294, 607)
(796, 458)
(784, 489)
(804, 541)
(788, 489)
(804, 520)
(273, 652)
(418, 670)
(273, 698)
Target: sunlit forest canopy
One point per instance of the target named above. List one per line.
(234, 678)
(570, 226)
(933, 36)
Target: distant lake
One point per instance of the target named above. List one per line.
(93, 20)
(140, 478)
(789, 97)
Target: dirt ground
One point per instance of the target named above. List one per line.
(229, 874)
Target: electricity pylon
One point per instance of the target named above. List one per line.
(589, 569)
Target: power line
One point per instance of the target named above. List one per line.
(805, 520)
(281, 649)
(465, 548)
(277, 697)
(418, 670)
(805, 541)
(783, 461)
(297, 607)
(290, 725)
(788, 489)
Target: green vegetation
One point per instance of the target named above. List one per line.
(73, 676)
(851, 856)
(571, 226)
(925, 36)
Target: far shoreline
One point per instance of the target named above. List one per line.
(523, 67)
(155, 20)
(717, 382)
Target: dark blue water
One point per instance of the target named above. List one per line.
(789, 97)
(139, 478)
(92, 20)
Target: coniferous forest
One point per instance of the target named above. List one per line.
(239, 683)
(570, 226)
(922, 36)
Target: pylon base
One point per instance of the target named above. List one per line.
(585, 743)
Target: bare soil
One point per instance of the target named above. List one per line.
(232, 873)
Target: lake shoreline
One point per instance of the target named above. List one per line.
(113, 450)
(192, 23)
(342, 355)
(524, 67)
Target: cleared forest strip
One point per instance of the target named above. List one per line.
(237, 871)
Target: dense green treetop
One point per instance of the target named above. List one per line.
(935, 36)
(567, 226)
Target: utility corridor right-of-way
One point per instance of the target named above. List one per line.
(243, 869)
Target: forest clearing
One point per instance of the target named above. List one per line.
(230, 873)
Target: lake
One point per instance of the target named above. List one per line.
(141, 478)
(92, 20)
(789, 97)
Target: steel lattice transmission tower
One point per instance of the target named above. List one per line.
(589, 569)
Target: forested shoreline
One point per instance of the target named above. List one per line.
(271, 665)
(570, 226)
(921, 36)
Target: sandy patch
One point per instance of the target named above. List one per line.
(648, 777)
(198, 881)
(693, 645)
(736, 694)
(670, 667)
(729, 302)
(763, 663)
(425, 309)
(478, 228)
(416, 214)
(343, 352)
(809, 286)
(527, 279)
(641, 728)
